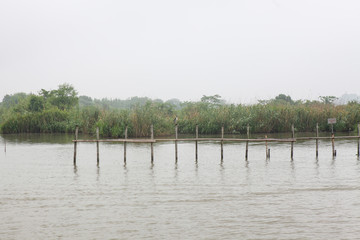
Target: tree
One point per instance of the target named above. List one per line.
(327, 99)
(65, 97)
(280, 99)
(13, 100)
(214, 100)
(174, 102)
(85, 101)
(284, 98)
(36, 103)
(46, 94)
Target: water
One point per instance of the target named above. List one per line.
(43, 196)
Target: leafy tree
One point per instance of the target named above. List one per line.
(65, 97)
(85, 101)
(174, 102)
(282, 98)
(213, 100)
(46, 94)
(36, 103)
(327, 99)
(12, 100)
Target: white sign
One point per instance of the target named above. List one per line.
(331, 120)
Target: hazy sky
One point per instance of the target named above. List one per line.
(242, 50)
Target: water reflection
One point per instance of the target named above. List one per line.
(76, 175)
(152, 175)
(317, 166)
(222, 173)
(333, 161)
(248, 172)
(267, 161)
(126, 175)
(176, 174)
(197, 172)
(293, 169)
(39, 138)
(247, 164)
(97, 173)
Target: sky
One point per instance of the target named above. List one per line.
(243, 50)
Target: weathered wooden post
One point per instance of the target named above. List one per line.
(358, 149)
(317, 140)
(222, 143)
(292, 143)
(332, 121)
(126, 136)
(247, 142)
(176, 143)
(333, 144)
(266, 147)
(152, 144)
(97, 146)
(75, 142)
(196, 142)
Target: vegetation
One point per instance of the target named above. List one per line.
(61, 110)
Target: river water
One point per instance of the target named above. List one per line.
(43, 196)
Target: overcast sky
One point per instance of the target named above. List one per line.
(243, 50)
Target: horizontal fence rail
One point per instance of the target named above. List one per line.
(191, 140)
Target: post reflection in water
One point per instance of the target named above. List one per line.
(76, 175)
(97, 173)
(196, 169)
(316, 168)
(293, 169)
(176, 178)
(43, 194)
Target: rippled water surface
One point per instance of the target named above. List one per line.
(43, 196)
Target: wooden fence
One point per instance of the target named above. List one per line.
(266, 140)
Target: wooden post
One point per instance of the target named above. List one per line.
(126, 136)
(358, 149)
(75, 143)
(333, 145)
(222, 143)
(317, 140)
(247, 142)
(196, 142)
(97, 146)
(152, 144)
(292, 143)
(266, 147)
(176, 143)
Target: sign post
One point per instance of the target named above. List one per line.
(332, 121)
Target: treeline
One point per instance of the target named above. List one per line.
(45, 112)
(61, 110)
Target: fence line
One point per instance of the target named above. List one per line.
(197, 139)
